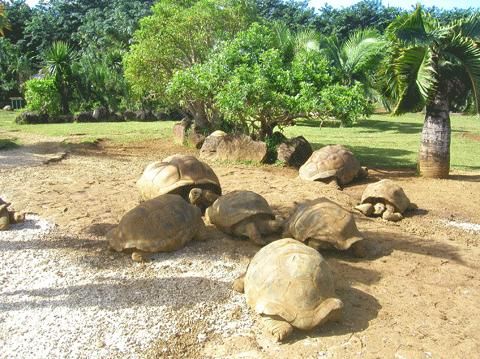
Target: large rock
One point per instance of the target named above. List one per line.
(238, 148)
(294, 151)
(8, 108)
(209, 147)
(100, 114)
(129, 115)
(83, 117)
(180, 131)
(31, 118)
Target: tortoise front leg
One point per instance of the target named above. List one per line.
(239, 284)
(279, 328)
(140, 256)
(390, 214)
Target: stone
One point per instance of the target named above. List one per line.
(129, 115)
(144, 115)
(294, 151)
(31, 118)
(209, 146)
(180, 130)
(83, 117)
(8, 108)
(241, 148)
(100, 114)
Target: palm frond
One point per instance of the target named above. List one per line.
(468, 27)
(417, 78)
(465, 52)
(307, 40)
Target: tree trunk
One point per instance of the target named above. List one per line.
(434, 156)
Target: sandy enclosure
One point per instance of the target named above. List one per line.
(63, 293)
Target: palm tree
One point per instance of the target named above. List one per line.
(4, 24)
(425, 57)
(357, 58)
(58, 61)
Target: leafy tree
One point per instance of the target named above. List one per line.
(42, 96)
(178, 35)
(58, 60)
(425, 58)
(296, 15)
(253, 84)
(19, 14)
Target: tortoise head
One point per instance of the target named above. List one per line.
(115, 239)
(195, 196)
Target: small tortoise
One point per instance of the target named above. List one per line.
(244, 213)
(332, 163)
(186, 176)
(290, 285)
(8, 217)
(162, 224)
(385, 198)
(323, 224)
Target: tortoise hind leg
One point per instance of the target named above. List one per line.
(279, 328)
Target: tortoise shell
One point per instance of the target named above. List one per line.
(177, 174)
(237, 206)
(162, 224)
(386, 191)
(334, 161)
(325, 223)
(288, 279)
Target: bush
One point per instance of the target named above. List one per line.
(42, 96)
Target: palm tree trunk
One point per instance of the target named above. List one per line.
(434, 156)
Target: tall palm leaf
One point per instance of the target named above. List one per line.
(58, 61)
(425, 58)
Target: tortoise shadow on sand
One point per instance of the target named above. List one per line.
(118, 293)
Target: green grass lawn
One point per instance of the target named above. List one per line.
(382, 141)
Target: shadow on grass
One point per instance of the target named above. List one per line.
(371, 126)
(7, 144)
(379, 157)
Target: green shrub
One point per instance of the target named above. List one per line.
(42, 96)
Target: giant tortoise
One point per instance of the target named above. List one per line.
(8, 216)
(290, 285)
(323, 224)
(332, 163)
(162, 224)
(184, 175)
(244, 213)
(385, 198)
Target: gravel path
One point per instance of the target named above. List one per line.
(63, 296)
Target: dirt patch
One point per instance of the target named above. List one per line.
(471, 136)
(416, 295)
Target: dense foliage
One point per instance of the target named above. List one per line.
(206, 58)
(42, 96)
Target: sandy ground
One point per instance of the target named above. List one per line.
(64, 293)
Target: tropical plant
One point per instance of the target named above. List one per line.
(425, 59)
(4, 23)
(254, 84)
(178, 35)
(42, 96)
(58, 61)
(356, 59)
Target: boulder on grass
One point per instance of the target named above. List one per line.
(129, 115)
(241, 148)
(31, 118)
(294, 151)
(83, 117)
(68, 118)
(100, 114)
(8, 108)
(180, 131)
(210, 144)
